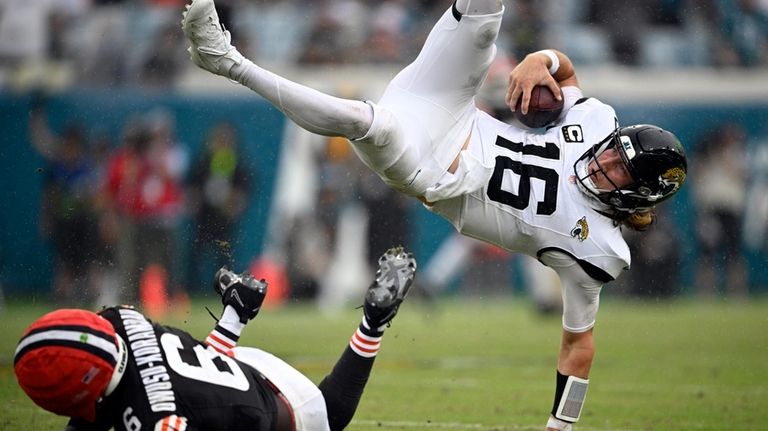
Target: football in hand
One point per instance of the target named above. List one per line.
(543, 108)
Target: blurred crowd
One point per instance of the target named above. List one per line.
(113, 212)
(143, 220)
(138, 42)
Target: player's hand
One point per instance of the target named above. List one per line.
(530, 72)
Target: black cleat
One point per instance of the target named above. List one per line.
(242, 291)
(393, 281)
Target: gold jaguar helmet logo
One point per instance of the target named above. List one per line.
(672, 179)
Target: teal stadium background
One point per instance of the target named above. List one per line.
(26, 258)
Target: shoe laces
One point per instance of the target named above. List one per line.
(215, 38)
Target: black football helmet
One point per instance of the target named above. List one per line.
(654, 157)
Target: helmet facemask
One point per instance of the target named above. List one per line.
(653, 157)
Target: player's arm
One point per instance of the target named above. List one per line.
(574, 362)
(577, 349)
(549, 67)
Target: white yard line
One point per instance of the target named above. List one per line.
(463, 426)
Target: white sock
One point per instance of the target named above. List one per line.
(313, 110)
(370, 330)
(230, 320)
(226, 334)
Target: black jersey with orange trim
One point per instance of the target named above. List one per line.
(170, 373)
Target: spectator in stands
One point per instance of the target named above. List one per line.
(720, 184)
(144, 187)
(744, 26)
(525, 28)
(162, 197)
(37, 30)
(122, 201)
(323, 44)
(67, 215)
(389, 26)
(104, 62)
(163, 64)
(624, 21)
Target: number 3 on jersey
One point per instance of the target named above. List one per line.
(521, 199)
(207, 366)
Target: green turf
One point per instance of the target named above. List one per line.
(490, 365)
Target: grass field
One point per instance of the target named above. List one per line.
(490, 365)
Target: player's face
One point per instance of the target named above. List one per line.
(609, 172)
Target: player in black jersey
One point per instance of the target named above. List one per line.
(117, 369)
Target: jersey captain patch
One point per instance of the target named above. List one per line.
(581, 230)
(573, 133)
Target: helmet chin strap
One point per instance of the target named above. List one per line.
(122, 362)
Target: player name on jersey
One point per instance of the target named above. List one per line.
(149, 361)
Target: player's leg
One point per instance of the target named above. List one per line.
(242, 296)
(343, 387)
(427, 110)
(312, 110)
(456, 56)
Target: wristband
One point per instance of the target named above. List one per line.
(569, 397)
(554, 58)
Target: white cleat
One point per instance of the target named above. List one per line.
(210, 48)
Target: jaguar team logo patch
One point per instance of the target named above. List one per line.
(673, 178)
(581, 230)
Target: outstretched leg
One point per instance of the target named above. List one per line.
(343, 388)
(414, 133)
(312, 110)
(427, 111)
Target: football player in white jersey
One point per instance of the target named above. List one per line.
(559, 193)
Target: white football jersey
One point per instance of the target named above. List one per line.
(532, 203)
